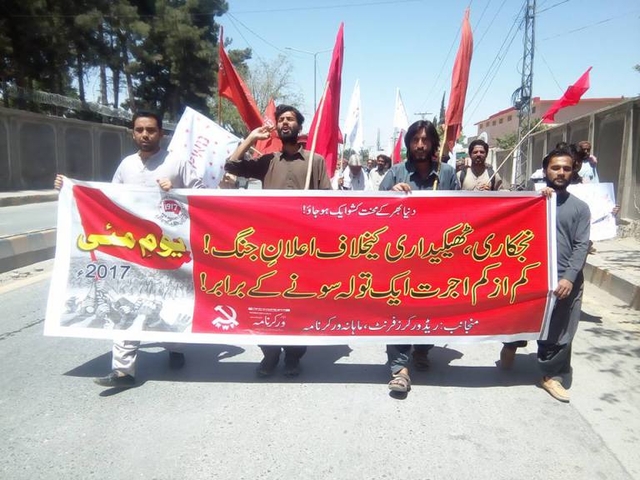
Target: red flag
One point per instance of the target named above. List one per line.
(273, 143)
(325, 128)
(397, 149)
(112, 229)
(570, 97)
(231, 86)
(459, 83)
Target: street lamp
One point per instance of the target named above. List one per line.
(315, 68)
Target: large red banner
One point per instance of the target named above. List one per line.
(300, 268)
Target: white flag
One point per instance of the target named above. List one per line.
(353, 126)
(400, 120)
(205, 144)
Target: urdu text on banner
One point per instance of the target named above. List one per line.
(301, 268)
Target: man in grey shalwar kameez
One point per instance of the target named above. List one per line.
(572, 232)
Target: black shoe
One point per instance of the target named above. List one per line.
(114, 380)
(268, 365)
(291, 367)
(421, 360)
(176, 360)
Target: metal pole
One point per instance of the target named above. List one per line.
(315, 78)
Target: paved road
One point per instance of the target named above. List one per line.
(27, 218)
(465, 419)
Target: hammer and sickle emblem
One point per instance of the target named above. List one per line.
(227, 318)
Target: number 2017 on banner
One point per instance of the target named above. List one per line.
(102, 271)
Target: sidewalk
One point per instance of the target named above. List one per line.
(615, 267)
(31, 247)
(10, 199)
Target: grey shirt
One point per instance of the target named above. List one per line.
(158, 166)
(573, 221)
(405, 172)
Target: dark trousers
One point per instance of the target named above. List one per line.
(554, 353)
(291, 352)
(398, 355)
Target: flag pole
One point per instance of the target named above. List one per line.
(315, 137)
(440, 155)
(525, 137)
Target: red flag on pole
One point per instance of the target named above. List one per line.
(231, 86)
(273, 143)
(570, 97)
(459, 83)
(397, 149)
(325, 128)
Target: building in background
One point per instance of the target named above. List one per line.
(505, 122)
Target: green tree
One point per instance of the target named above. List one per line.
(34, 46)
(176, 61)
(442, 110)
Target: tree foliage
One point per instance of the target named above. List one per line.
(165, 51)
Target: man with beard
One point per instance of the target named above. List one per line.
(479, 176)
(572, 237)
(419, 172)
(589, 163)
(383, 164)
(284, 170)
(150, 166)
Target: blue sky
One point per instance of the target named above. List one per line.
(411, 45)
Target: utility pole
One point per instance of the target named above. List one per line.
(521, 99)
(422, 114)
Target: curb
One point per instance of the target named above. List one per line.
(21, 250)
(613, 284)
(9, 200)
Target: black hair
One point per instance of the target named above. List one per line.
(386, 159)
(430, 130)
(480, 142)
(559, 152)
(280, 109)
(147, 114)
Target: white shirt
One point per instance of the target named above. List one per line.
(160, 165)
(375, 177)
(350, 182)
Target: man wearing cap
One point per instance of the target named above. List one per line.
(352, 178)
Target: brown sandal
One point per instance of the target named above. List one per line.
(400, 383)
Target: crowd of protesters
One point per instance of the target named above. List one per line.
(422, 170)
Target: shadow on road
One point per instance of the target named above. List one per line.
(210, 363)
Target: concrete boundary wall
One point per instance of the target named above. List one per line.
(614, 133)
(34, 147)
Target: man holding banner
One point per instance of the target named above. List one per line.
(286, 170)
(149, 166)
(572, 232)
(419, 172)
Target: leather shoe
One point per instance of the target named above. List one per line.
(507, 356)
(114, 380)
(176, 360)
(268, 365)
(291, 367)
(555, 389)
